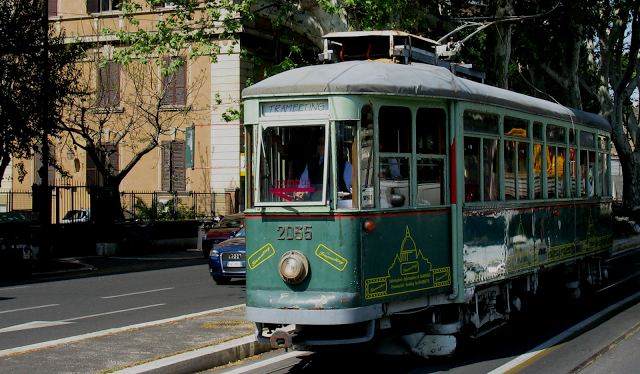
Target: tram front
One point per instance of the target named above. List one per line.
(303, 247)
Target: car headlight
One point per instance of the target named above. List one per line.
(214, 253)
(293, 267)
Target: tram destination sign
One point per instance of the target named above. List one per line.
(285, 108)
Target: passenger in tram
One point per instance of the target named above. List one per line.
(312, 176)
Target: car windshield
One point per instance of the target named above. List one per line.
(75, 214)
(230, 222)
(240, 234)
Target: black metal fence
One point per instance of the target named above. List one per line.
(136, 205)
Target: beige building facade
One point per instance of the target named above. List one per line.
(203, 91)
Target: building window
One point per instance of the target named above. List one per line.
(109, 85)
(174, 86)
(52, 8)
(173, 166)
(112, 162)
(97, 6)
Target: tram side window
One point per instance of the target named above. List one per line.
(471, 169)
(394, 141)
(345, 131)
(516, 159)
(366, 155)
(537, 160)
(481, 156)
(603, 170)
(431, 151)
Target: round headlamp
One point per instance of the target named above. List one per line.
(293, 267)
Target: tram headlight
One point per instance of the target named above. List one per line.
(293, 267)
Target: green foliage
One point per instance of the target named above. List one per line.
(172, 210)
(37, 77)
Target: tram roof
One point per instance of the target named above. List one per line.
(369, 77)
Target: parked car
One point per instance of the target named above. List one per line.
(77, 215)
(228, 259)
(16, 245)
(221, 231)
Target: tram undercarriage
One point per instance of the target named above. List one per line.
(403, 329)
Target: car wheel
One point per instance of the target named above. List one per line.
(222, 280)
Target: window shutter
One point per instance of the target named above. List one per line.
(178, 166)
(92, 171)
(166, 165)
(93, 6)
(52, 8)
(112, 154)
(175, 85)
(109, 85)
(181, 86)
(114, 84)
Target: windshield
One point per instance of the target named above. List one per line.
(230, 222)
(292, 165)
(240, 234)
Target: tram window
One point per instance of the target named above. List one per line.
(490, 158)
(555, 133)
(537, 170)
(430, 133)
(573, 171)
(555, 172)
(346, 149)
(394, 182)
(601, 169)
(430, 182)
(562, 155)
(537, 131)
(587, 161)
(480, 122)
(605, 171)
(516, 163)
(587, 139)
(515, 126)
(292, 164)
(366, 155)
(472, 169)
(572, 137)
(394, 126)
(603, 141)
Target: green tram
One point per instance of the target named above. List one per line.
(402, 201)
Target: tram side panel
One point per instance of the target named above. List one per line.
(407, 256)
(507, 242)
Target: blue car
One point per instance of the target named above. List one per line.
(228, 259)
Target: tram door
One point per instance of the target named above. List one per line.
(411, 253)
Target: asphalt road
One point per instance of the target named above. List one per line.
(64, 306)
(543, 318)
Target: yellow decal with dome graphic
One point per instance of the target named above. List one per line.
(410, 272)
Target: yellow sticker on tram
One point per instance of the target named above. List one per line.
(260, 256)
(331, 258)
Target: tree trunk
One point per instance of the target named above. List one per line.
(499, 47)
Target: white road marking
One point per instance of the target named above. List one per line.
(13, 288)
(116, 330)
(137, 293)
(558, 338)
(114, 312)
(33, 325)
(41, 324)
(619, 281)
(29, 308)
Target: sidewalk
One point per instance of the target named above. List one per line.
(187, 345)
